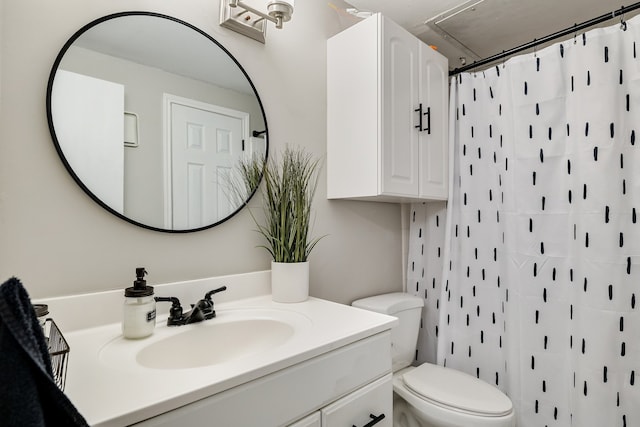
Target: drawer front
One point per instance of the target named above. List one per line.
(372, 405)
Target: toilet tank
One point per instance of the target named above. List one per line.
(404, 337)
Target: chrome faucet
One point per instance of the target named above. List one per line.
(202, 310)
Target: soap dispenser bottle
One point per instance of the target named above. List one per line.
(139, 308)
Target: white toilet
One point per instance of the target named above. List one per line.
(430, 395)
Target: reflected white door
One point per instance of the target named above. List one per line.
(91, 134)
(205, 147)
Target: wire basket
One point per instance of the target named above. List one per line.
(59, 352)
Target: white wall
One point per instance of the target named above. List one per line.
(58, 241)
(1, 55)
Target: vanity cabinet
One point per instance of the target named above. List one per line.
(336, 389)
(387, 115)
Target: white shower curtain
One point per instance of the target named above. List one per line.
(540, 291)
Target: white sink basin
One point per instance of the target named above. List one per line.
(232, 335)
(210, 343)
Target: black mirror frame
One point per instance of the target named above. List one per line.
(58, 148)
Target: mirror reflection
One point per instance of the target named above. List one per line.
(151, 116)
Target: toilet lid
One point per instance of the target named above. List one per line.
(457, 390)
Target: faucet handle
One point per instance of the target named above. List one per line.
(207, 303)
(207, 296)
(175, 312)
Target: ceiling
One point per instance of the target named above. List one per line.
(476, 29)
(167, 45)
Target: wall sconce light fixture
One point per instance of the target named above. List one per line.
(249, 21)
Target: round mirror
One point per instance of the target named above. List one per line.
(151, 116)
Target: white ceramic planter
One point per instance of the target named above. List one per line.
(289, 281)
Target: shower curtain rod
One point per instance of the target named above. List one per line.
(574, 29)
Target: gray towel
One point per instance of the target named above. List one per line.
(28, 394)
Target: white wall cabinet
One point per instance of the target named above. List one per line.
(91, 134)
(387, 115)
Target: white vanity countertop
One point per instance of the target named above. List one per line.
(118, 394)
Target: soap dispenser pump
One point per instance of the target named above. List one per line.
(139, 308)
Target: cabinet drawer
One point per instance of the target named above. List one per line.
(360, 407)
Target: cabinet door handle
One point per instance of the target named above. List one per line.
(419, 111)
(428, 114)
(374, 420)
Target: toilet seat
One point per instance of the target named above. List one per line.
(457, 391)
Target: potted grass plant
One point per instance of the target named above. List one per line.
(289, 185)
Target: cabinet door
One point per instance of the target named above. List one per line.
(353, 113)
(362, 407)
(400, 92)
(433, 145)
